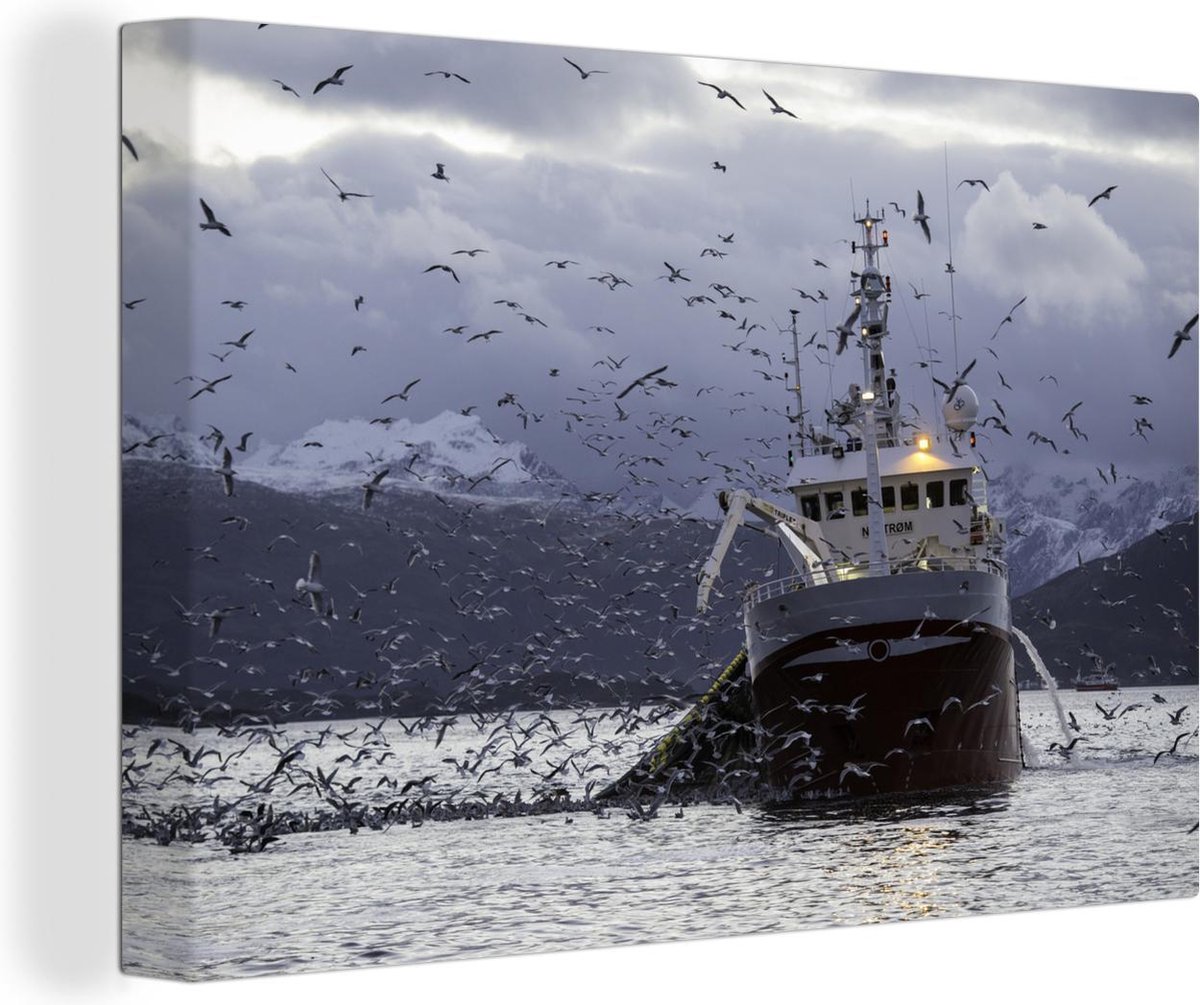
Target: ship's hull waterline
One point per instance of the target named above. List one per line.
(898, 683)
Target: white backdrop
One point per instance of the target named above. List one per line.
(59, 574)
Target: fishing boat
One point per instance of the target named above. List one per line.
(883, 661)
(1098, 680)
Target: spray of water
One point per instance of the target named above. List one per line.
(1028, 752)
(1040, 667)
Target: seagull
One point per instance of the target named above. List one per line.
(722, 93)
(1064, 750)
(961, 379)
(211, 222)
(336, 79)
(777, 108)
(898, 209)
(1184, 334)
(973, 182)
(583, 74)
(561, 263)
(444, 268)
(1174, 746)
(1107, 193)
(129, 145)
(920, 217)
(371, 487)
(446, 75)
(1038, 226)
(641, 381)
(402, 395)
(242, 444)
(860, 770)
(1008, 317)
(342, 195)
(358, 301)
(718, 166)
(312, 584)
(210, 386)
(275, 80)
(236, 305)
(131, 304)
(440, 173)
(675, 274)
(226, 471)
(240, 343)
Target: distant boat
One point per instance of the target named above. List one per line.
(1099, 680)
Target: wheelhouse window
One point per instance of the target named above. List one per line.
(810, 506)
(833, 505)
(935, 495)
(910, 496)
(889, 498)
(858, 502)
(958, 492)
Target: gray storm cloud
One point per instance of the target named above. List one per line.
(616, 173)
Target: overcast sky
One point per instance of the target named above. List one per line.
(614, 172)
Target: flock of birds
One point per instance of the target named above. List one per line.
(635, 596)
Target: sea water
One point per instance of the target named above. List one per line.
(1109, 822)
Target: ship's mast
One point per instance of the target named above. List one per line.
(798, 418)
(872, 300)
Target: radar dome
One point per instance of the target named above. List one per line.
(961, 409)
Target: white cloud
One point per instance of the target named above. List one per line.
(1078, 267)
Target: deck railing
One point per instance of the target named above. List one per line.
(843, 572)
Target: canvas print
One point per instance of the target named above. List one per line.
(576, 498)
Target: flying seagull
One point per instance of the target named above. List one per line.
(371, 487)
(131, 304)
(226, 471)
(276, 80)
(402, 395)
(777, 108)
(210, 386)
(211, 222)
(1107, 193)
(440, 173)
(1184, 334)
(641, 381)
(973, 182)
(583, 74)
(343, 195)
(446, 75)
(311, 584)
(336, 79)
(129, 145)
(675, 274)
(920, 217)
(722, 93)
(444, 268)
(240, 342)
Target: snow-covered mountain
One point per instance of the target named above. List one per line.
(451, 452)
(1056, 521)
(1055, 517)
(164, 438)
